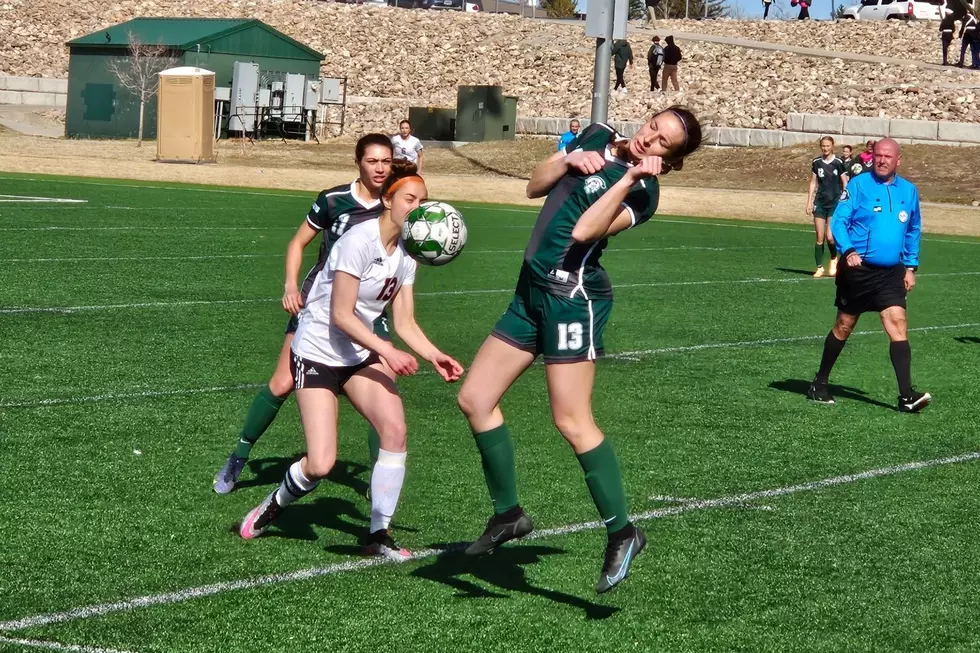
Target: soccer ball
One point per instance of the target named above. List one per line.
(434, 233)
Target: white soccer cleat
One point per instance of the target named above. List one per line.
(818, 273)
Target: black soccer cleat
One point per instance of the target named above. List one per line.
(501, 529)
(820, 393)
(620, 553)
(914, 402)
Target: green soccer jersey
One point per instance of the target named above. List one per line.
(335, 211)
(557, 263)
(829, 178)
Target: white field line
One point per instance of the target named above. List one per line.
(636, 355)
(19, 310)
(148, 394)
(102, 259)
(178, 596)
(626, 355)
(43, 200)
(210, 257)
(57, 646)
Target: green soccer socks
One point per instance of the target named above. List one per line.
(605, 483)
(260, 416)
(499, 467)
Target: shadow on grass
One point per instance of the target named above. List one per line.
(269, 471)
(968, 340)
(800, 386)
(504, 570)
(808, 273)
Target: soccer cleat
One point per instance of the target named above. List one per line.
(832, 272)
(914, 403)
(620, 554)
(381, 544)
(500, 530)
(227, 476)
(258, 520)
(818, 273)
(820, 393)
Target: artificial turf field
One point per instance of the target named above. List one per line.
(136, 325)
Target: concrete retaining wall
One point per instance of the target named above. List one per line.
(801, 128)
(34, 91)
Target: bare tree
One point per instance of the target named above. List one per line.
(139, 73)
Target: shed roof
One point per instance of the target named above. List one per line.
(178, 33)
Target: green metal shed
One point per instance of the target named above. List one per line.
(98, 107)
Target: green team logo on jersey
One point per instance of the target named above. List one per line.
(594, 185)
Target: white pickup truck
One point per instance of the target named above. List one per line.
(894, 10)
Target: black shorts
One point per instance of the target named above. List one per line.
(380, 326)
(824, 208)
(867, 289)
(311, 374)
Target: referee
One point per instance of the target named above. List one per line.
(877, 226)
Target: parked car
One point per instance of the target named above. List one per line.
(894, 10)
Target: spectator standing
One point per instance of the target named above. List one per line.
(863, 161)
(968, 31)
(406, 146)
(573, 128)
(804, 8)
(766, 4)
(655, 61)
(622, 56)
(947, 24)
(672, 58)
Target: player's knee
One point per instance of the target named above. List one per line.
(319, 466)
(281, 385)
(574, 427)
(393, 434)
(471, 404)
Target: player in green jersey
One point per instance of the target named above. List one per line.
(828, 179)
(600, 185)
(335, 211)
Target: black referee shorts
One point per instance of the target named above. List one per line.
(311, 374)
(867, 288)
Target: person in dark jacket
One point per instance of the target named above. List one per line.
(968, 31)
(655, 61)
(622, 55)
(672, 57)
(947, 25)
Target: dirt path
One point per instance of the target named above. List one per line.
(478, 173)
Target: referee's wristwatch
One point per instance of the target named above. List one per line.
(913, 268)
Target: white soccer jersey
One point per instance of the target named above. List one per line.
(360, 253)
(406, 148)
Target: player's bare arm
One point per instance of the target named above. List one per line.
(809, 196)
(608, 216)
(292, 298)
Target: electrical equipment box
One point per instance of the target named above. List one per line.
(244, 96)
(484, 114)
(312, 97)
(330, 90)
(293, 98)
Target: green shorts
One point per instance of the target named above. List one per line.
(562, 329)
(824, 209)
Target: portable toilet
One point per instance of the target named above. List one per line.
(185, 116)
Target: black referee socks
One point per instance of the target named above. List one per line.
(901, 355)
(832, 347)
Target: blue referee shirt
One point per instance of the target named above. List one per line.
(879, 221)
